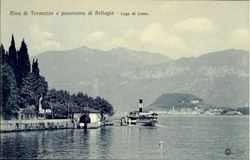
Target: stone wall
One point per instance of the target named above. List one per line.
(29, 125)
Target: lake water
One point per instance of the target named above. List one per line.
(183, 137)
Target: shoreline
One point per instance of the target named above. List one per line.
(35, 125)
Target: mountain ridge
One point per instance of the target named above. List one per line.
(123, 77)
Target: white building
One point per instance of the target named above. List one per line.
(195, 101)
(92, 118)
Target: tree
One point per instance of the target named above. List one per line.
(72, 108)
(63, 104)
(32, 88)
(23, 64)
(103, 106)
(59, 102)
(1, 62)
(35, 68)
(3, 54)
(48, 100)
(12, 58)
(41, 86)
(59, 110)
(27, 92)
(20, 88)
(10, 97)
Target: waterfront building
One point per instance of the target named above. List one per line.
(195, 101)
(90, 118)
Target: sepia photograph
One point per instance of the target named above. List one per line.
(144, 79)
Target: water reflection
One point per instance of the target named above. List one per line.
(198, 138)
(15, 145)
(104, 142)
(82, 144)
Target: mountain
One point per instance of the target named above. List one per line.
(139, 57)
(123, 76)
(91, 71)
(219, 78)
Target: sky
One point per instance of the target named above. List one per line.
(173, 28)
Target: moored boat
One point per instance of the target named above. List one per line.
(139, 117)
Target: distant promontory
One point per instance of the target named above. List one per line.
(183, 103)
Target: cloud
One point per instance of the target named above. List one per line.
(240, 38)
(154, 33)
(117, 42)
(103, 41)
(95, 36)
(157, 38)
(41, 40)
(97, 39)
(49, 44)
(35, 30)
(195, 25)
(130, 33)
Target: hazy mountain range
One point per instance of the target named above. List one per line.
(122, 76)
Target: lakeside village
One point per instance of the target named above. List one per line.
(201, 109)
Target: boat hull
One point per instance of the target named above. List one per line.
(146, 123)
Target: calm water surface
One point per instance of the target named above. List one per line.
(183, 137)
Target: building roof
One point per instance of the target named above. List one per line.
(90, 110)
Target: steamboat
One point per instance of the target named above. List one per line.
(139, 117)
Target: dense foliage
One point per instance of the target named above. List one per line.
(23, 86)
(64, 104)
(178, 100)
(10, 96)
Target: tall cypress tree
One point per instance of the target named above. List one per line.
(23, 63)
(3, 55)
(35, 68)
(12, 58)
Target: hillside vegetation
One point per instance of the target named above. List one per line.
(178, 100)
